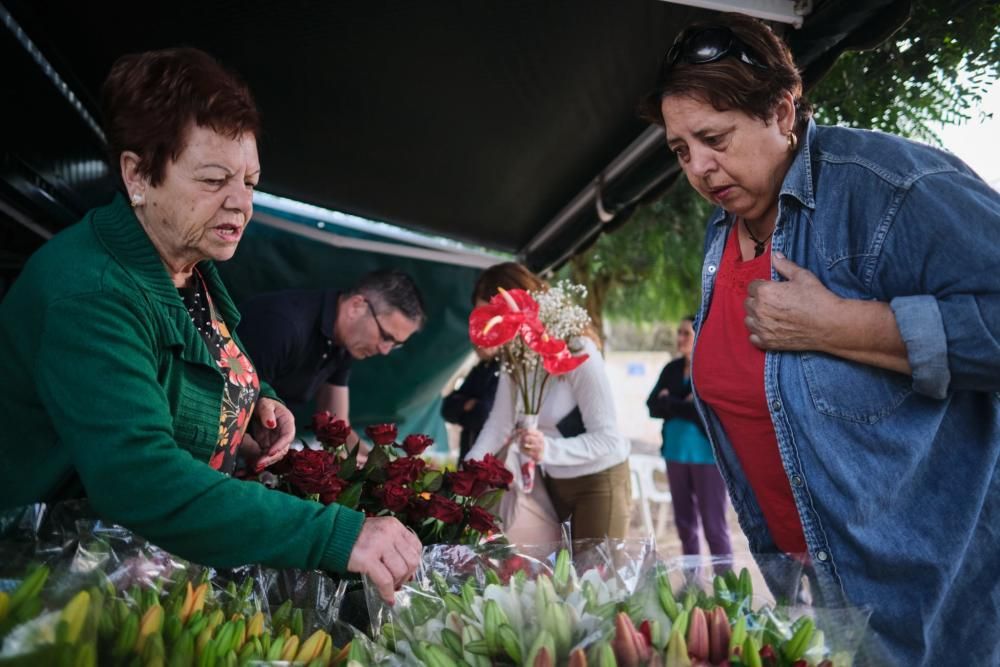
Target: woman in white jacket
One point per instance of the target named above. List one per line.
(582, 458)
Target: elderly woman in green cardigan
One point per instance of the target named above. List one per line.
(123, 379)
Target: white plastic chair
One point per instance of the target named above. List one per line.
(645, 490)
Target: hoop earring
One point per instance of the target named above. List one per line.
(793, 141)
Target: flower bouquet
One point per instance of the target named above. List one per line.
(101, 595)
(591, 609)
(440, 506)
(533, 331)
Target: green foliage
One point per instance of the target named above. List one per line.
(934, 70)
(650, 269)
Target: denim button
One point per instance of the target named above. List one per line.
(796, 480)
(776, 405)
(822, 556)
(711, 268)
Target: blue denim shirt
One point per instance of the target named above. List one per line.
(895, 477)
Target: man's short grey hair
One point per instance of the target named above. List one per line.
(393, 290)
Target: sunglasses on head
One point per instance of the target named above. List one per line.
(707, 45)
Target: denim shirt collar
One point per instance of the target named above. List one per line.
(798, 181)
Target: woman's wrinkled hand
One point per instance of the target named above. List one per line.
(796, 314)
(270, 434)
(532, 442)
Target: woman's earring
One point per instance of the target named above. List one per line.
(138, 200)
(793, 141)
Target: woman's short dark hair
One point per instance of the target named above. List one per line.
(150, 99)
(729, 84)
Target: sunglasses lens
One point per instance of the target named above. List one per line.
(708, 45)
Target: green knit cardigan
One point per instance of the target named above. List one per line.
(106, 384)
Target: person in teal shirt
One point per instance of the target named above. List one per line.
(696, 486)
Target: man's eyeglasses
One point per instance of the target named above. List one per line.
(707, 45)
(383, 334)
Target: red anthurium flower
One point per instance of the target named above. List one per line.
(490, 326)
(563, 362)
(517, 301)
(499, 321)
(540, 341)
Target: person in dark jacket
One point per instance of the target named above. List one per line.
(696, 485)
(470, 404)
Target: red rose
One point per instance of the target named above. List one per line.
(405, 469)
(381, 434)
(395, 496)
(320, 418)
(332, 487)
(492, 471)
(419, 507)
(414, 445)
(481, 520)
(447, 511)
(330, 431)
(312, 470)
(466, 483)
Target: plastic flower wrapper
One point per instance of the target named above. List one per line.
(717, 611)
(106, 596)
(494, 605)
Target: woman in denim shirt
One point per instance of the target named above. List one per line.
(847, 363)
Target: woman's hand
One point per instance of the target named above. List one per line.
(532, 442)
(794, 315)
(271, 433)
(801, 314)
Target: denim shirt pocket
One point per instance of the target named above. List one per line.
(853, 391)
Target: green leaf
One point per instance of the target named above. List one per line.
(349, 466)
(490, 500)
(431, 480)
(350, 496)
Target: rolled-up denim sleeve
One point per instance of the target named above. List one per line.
(939, 273)
(920, 325)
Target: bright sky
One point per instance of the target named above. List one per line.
(977, 142)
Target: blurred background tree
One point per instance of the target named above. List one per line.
(933, 71)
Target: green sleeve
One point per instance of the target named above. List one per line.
(97, 373)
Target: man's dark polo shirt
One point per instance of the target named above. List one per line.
(289, 336)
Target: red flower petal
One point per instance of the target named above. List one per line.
(490, 326)
(564, 362)
(538, 339)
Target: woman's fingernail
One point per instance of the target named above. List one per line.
(260, 466)
(271, 423)
(779, 254)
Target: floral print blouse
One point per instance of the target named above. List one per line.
(242, 385)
